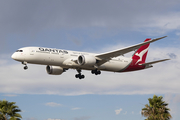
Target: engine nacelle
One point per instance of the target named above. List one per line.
(54, 70)
(86, 60)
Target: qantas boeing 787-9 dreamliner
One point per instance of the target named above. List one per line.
(58, 60)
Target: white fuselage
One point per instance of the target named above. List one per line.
(58, 61)
(66, 59)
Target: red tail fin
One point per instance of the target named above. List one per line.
(140, 55)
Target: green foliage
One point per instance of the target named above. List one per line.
(156, 110)
(8, 111)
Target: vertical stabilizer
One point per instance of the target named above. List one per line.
(139, 58)
(140, 55)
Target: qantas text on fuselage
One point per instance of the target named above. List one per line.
(58, 61)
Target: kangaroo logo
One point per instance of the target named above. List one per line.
(141, 54)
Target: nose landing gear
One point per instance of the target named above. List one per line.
(25, 67)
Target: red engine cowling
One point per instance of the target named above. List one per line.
(86, 60)
(54, 70)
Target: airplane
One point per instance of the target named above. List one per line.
(58, 61)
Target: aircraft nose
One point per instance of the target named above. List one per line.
(13, 56)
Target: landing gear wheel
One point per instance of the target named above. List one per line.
(77, 75)
(96, 72)
(93, 71)
(25, 63)
(25, 67)
(82, 76)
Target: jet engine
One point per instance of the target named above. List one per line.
(86, 60)
(54, 70)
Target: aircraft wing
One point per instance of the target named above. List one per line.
(150, 63)
(107, 56)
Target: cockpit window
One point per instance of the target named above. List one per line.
(19, 51)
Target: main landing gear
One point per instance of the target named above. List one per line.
(25, 67)
(96, 72)
(80, 76)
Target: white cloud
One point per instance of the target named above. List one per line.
(125, 113)
(118, 111)
(53, 119)
(167, 21)
(168, 97)
(139, 112)
(10, 95)
(173, 100)
(178, 33)
(53, 104)
(82, 118)
(177, 99)
(160, 24)
(76, 108)
(30, 118)
(82, 15)
(3, 62)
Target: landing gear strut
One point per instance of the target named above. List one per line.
(80, 76)
(25, 67)
(96, 72)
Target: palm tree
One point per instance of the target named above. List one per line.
(8, 111)
(156, 110)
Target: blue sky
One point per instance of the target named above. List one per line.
(91, 26)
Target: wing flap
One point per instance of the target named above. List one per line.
(122, 51)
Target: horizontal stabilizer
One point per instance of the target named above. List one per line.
(149, 63)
